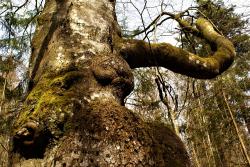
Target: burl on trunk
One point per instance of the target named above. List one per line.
(80, 73)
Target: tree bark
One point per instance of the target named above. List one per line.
(74, 113)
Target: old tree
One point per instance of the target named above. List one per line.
(80, 73)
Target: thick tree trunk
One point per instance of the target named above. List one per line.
(74, 113)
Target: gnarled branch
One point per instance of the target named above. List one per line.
(139, 53)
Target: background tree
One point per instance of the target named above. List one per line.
(17, 25)
(218, 140)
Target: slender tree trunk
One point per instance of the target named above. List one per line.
(247, 120)
(74, 113)
(193, 147)
(211, 148)
(195, 155)
(246, 117)
(237, 129)
(218, 155)
(175, 123)
(3, 93)
(172, 117)
(207, 138)
(207, 135)
(205, 148)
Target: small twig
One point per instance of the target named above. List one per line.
(185, 25)
(19, 7)
(156, 26)
(4, 147)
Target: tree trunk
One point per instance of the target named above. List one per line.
(3, 94)
(243, 146)
(74, 113)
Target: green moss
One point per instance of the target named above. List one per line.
(47, 100)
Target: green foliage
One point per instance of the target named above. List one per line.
(8, 64)
(17, 21)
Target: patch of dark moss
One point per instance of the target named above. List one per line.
(65, 81)
(35, 150)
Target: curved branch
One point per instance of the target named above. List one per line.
(139, 53)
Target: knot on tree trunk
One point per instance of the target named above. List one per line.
(112, 72)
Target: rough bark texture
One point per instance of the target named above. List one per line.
(74, 113)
